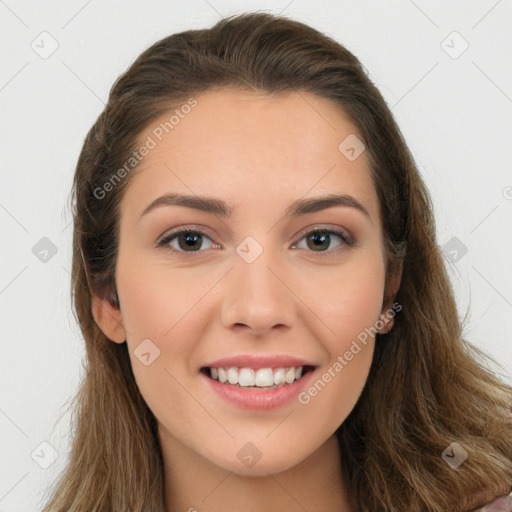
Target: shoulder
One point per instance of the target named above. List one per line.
(502, 503)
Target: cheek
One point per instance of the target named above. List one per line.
(153, 298)
(335, 392)
(348, 300)
(158, 339)
(161, 312)
(350, 304)
(350, 307)
(145, 306)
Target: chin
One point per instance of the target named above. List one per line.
(260, 465)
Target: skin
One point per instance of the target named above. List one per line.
(258, 153)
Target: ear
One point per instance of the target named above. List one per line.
(393, 280)
(108, 318)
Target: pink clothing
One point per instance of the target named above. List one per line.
(500, 504)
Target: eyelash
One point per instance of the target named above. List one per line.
(164, 241)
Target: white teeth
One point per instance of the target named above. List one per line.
(279, 376)
(233, 375)
(246, 377)
(262, 377)
(289, 376)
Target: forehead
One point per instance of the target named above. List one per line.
(237, 144)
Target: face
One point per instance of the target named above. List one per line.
(254, 276)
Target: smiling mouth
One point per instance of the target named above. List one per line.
(257, 378)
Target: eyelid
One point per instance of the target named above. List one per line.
(338, 230)
(176, 230)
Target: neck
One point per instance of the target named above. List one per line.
(193, 483)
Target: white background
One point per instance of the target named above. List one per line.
(454, 112)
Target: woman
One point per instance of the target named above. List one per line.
(268, 320)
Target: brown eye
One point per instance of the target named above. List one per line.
(189, 240)
(321, 240)
(186, 240)
(318, 241)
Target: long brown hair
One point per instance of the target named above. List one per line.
(427, 387)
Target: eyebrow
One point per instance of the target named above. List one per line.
(221, 208)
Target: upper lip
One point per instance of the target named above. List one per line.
(259, 361)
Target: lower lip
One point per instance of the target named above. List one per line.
(259, 399)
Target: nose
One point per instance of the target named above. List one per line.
(257, 297)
